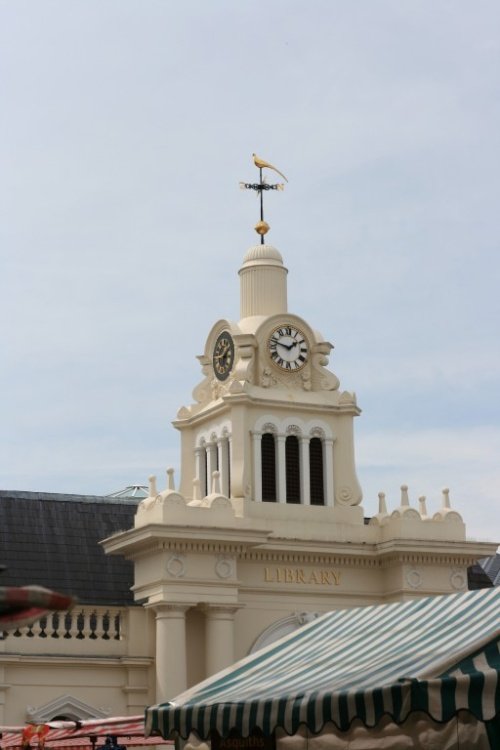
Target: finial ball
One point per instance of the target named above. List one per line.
(262, 228)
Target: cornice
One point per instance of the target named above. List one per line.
(414, 558)
(250, 544)
(309, 557)
(154, 537)
(298, 406)
(83, 661)
(227, 400)
(430, 548)
(434, 551)
(374, 555)
(208, 410)
(353, 560)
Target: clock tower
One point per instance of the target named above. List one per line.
(266, 529)
(269, 419)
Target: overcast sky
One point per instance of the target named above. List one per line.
(126, 126)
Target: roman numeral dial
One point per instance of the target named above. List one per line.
(288, 348)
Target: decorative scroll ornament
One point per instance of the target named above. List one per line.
(344, 495)
(267, 378)
(260, 186)
(317, 432)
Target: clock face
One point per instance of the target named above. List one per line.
(288, 348)
(223, 358)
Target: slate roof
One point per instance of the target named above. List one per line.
(52, 540)
(477, 578)
(491, 566)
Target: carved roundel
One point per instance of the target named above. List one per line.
(224, 567)
(288, 348)
(176, 566)
(458, 580)
(414, 579)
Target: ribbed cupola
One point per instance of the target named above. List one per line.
(262, 282)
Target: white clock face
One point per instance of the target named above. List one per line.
(288, 348)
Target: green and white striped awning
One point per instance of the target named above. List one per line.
(436, 654)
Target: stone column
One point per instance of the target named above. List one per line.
(219, 644)
(171, 670)
(328, 487)
(305, 483)
(257, 466)
(280, 468)
(222, 447)
(201, 469)
(211, 463)
(229, 464)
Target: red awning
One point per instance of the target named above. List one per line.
(78, 735)
(23, 605)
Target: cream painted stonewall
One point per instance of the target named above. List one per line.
(266, 529)
(78, 672)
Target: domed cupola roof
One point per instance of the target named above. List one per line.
(263, 255)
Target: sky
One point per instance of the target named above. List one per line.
(125, 129)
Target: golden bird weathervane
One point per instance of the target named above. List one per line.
(262, 227)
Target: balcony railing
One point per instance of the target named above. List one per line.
(95, 628)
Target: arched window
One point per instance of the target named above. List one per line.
(292, 462)
(268, 454)
(316, 471)
(213, 454)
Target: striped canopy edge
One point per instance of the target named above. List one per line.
(437, 655)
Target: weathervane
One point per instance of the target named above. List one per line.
(262, 227)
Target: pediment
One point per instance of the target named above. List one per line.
(281, 628)
(65, 705)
